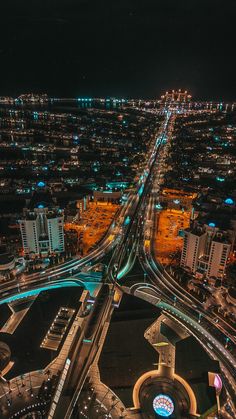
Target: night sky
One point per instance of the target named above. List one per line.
(128, 48)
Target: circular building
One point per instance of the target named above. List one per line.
(164, 395)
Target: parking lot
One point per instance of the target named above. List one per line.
(93, 224)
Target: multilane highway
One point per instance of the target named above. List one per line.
(69, 269)
(178, 303)
(128, 235)
(85, 350)
(113, 236)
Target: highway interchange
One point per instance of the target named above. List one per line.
(131, 234)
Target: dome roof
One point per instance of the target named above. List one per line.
(41, 199)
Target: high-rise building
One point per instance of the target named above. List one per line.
(193, 248)
(205, 251)
(219, 253)
(42, 226)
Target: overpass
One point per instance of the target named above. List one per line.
(85, 352)
(70, 282)
(158, 292)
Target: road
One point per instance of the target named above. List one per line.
(131, 233)
(71, 268)
(181, 305)
(174, 301)
(85, 349)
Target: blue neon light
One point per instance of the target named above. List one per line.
(127, 220)
(67, 283)
(163, 405)
(229, 201)
(141, 190)
(40, 184)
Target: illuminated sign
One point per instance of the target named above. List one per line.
(163, 405)
(217, 383)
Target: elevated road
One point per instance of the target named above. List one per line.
(68, 270)
(129, 235)
(172, 299)
(178, 303)
(84, 350)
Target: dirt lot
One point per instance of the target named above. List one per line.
(94, 223)
(167, 239)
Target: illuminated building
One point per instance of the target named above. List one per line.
(161, 392)
(176, 96)
(193, 248)
(107, 196)
(205, 251)
(219, 253)
(42, 226)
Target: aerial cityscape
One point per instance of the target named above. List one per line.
(117, 211)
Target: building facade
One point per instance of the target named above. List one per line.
(193, 248)
(41, 226)
(205, 251)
